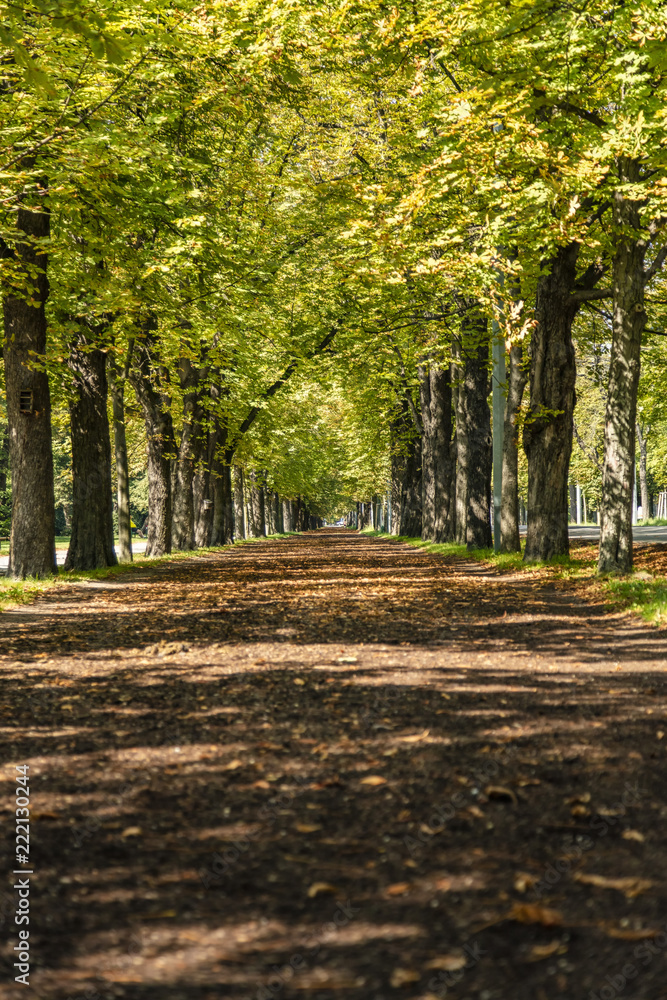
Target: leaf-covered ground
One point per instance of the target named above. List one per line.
(333, 766)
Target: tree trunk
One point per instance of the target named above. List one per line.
(183, 513)
(203, 490)
(223, 504)
(411, 489)
(91, 544)
(473, 436)
(160, 445)
(400, 424)
(32, 550)
(257, 506)
(269, 511)
(438, 466)
(642, 437)
(510, 539)
(204, 487)
(547, 433)
(117, 385)
(628, 322)
(288, 524)
(239, 504)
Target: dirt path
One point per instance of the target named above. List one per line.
(334, 767)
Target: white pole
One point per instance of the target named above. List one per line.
(578, 488)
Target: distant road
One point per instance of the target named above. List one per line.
(137, 547)
(591, 532)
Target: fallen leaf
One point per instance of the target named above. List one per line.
(374, 779)
(501, 794)
(307, 827)
(524, 881)
(633, 835)
(415, 738)
(132, 831)
(531, 913)
(233, 765)
(402, 977)
(450, 963)
(541, 951)
(630, 886)
(321, 889)
(629, 934)
(397, 889)
(260, 784)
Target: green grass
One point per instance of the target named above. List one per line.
(647, 598)
(13, 592)
(504, 561)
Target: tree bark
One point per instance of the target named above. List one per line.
(117, 385)
(239, 504)
(547, 432)
(257, 506)
(642, 438)
(32, 550)
(473, 435)
(91, 544)
(223, 504)
(438, 464)
(510, 539)
(160, 446)
(628, 322)
(411, 489)
(400, 424)
(183, 513)
(288, 524)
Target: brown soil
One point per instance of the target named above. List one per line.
(336, 767)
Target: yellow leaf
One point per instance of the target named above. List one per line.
(414, 739)
(397, 889)
(541, 951)
(629, 885)
(450, 962)
(374, 779)
(321, 889)
(402, 977)
(530, 913)
(633, 835)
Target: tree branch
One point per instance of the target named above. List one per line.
(588, 116)
(651, 271)
(589, 294)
